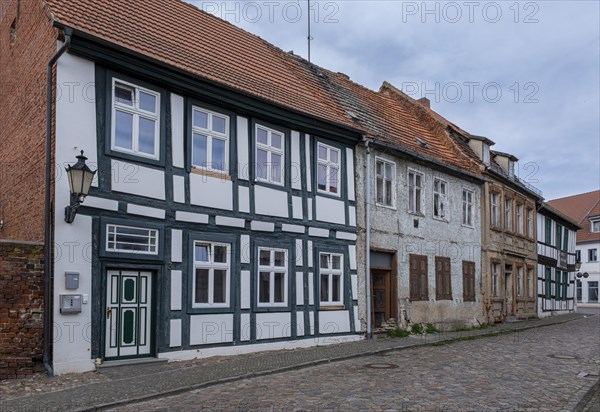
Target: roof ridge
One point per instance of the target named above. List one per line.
(576, 195)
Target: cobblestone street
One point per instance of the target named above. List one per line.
(534, 370)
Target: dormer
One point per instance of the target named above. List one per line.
(506, 161)
(481, 146)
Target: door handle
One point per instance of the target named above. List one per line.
(108, 312)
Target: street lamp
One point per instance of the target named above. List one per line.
(80, 179)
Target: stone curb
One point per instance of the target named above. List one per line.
(481, 333)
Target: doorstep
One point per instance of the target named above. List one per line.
(130, 362)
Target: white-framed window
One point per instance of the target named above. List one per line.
(529, 222)
(495, 279)
(508, 215)
(128, 239)
(520, 219)
(511, 168)
(210, 140)
(332, 279)
(520, 281)
(385, 190)
(467, 207)
(270, 157)
(440, 199)
(415, 185)
(135, 120)
(272, 277)
(530, 286)
(212, 269)
(486, 154)
(595, 226)
(495, 209)
(328, 169)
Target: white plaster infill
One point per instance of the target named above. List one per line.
(317, 232)
(99, 203)
(134, 209)
(230, 221)
(191, 217)
(262, 226)
(292, 228)
(345, 236)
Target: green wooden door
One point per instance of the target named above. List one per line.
(128, 314)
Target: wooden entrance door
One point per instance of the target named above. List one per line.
(381, 296)
(128, 314)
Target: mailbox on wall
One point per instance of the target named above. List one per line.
(71, 280)
(70, 303)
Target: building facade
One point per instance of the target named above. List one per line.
(509, 250)
(585, 210)
(219, 221)
(556, 274)
(425, 241)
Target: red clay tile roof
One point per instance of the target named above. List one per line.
(190, 39)
(580, 208)
(187, 38)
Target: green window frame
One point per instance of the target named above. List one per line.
(565, 245)
(548, 227)
(558, 240)
(548, 283)
(565, 285)
(557, 283)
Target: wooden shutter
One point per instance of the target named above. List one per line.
(469, 281)
(418, 278)
(443, 279)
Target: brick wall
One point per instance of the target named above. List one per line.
(21, 308)
(24, 54)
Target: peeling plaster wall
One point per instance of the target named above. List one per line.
(393, 230)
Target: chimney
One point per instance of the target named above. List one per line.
(424, 101)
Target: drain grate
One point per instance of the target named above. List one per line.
(381, 366)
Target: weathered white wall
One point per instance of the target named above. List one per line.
(393, 230)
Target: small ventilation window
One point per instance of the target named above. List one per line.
(422, 143)
(13, 33)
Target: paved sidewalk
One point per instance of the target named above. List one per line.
(117, 386)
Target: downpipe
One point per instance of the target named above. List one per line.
(47, 206)
(368, 238)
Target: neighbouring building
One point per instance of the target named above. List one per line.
(585, 210)
(556, 262)
(221, 219)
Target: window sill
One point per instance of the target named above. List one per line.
(441, 219)
(385, 206)
(419, 214)
(211, 173)
(329, 194)
(468, 226)
(332, 307)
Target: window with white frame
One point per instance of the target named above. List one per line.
(135, 120)
(495, 209)
(440, 199)
(508, 215)
(529, 223)
(486, 154)
(592, 255)
(210, 140)
(495, 279)
(530, 286)
(328, 169)
(520, 281)
(415, 182)
(270, 158)
(467, 208)
(212, 268)
(332, 276)
(520, 219)
(385, 173)
(595, 226)
(128, 239)
(272, 277)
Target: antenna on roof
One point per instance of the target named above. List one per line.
(309, 36)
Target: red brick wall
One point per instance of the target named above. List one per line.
(23, 117)
(21, 308)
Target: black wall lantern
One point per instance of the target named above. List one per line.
(80, 179)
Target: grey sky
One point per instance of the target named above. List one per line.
(524, 74)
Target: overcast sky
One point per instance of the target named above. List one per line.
(524, 74)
